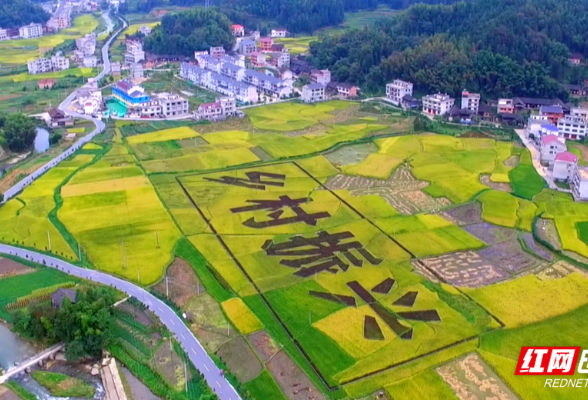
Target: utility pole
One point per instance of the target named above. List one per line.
(49, 240)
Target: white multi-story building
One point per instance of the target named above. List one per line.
(247, 47)
(320, 76)
(579, 112)
(134, 53)
(221, 109)
(313, 92)
(470, 101)
(580, 188)
(145, 30)
(571, 127)
(59, 63)
(217, 52)
(3, 34)
(437, 104)
(90, 61)
(172, 105)
(564, 166)
(136, 71)
(219, 83)
(87, 44)
(396, 90)
(39, 66)
(536, 122)
(279, 33)
(30, 31)
(551, 146)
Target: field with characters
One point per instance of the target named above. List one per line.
(328, 251)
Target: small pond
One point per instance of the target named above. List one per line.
(41, 140)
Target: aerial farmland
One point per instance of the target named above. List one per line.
(327, 251)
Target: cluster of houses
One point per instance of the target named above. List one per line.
(60, 19)
(85, 49)
(41, 65)
(220, 110)
(228, 76)
(322, 88)
(140, 104)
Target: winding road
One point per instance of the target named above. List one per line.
(168, 317)
(14, 190)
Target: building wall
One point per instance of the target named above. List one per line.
(563, 170)
(550, 150)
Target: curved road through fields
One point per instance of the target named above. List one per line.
(168, 317)
(64, 107)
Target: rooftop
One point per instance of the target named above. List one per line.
(209, 105)
(315, 86)
(550, 128)
(567, 157)
(551, 109)
(583, 173)
(549, 139)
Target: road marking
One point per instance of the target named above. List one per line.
(183, 337)
(219, 385)
(194, 351)
(172, 322)
(206, 368)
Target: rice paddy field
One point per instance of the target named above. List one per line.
(22, 51)
(328, 250)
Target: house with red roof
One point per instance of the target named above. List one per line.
(238, 30)
(551, 146)
(564, 166)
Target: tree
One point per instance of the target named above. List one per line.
(18, 132)
(16, 13)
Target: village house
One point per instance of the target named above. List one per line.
(278, 47)
(217, 52)
(552, 112)
(300, 66)
(534, 124)
(485, 112)
(470, 101)
(46, 83)
(237, 30)
(525, 103)
(172, 105)
(30, 31)
(145, 30)
(437, 104)
(266, 43)
(136, 71)
(575, 59)
(564, 166)
(4, 34)
(247, 47)
(279, 33)
(220, 83)
(87, 44)
(61, 294)
(59, 118)
(551, 145)
(579, 112)
(134, 52)
(257, 60)
(505, 106)
(548, 129)
(342, 90)
(90, 61)
(320, 76)
(115, 68)
(221, 109)
(279, 59)
(412, 103)
(573, 90)
(42, 65)
(571, 127)
(580, 184)
(396, 91)
(313, 92)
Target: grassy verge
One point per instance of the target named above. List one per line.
(21, 392)
(61, 385)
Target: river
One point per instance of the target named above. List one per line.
(13, 348)
(41, 140)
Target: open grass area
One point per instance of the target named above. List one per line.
(72, 72)
(297, 45)
(23, 50)
(61, 385)
(134, 28)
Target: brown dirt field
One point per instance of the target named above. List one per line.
(471, 378)
(512, 161)
(465, 214)
(547, 231)
(140, 316)
(9, 267)
(9, 96)
(474, 134)
(240, 359)
(294, 383)
(10, 178)
(264, 345)
(503, 187)
(7, 394)
(170, 365)
(183, 283)
(211, 341)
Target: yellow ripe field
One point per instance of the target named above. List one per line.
(241, 316)
(23, 50)
(120, 222)
(164, 135)
(523, 300)
(92, 146)
(132, 29)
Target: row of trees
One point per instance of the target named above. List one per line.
(85, 326)
(16, 13)
(17, 131)
(189, 31)
(497, 47)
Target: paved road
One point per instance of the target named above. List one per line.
(168, 317)
(64, 107)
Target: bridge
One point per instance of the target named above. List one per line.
(30, 362)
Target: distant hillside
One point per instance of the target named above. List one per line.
(189, 31)
(16, 13)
